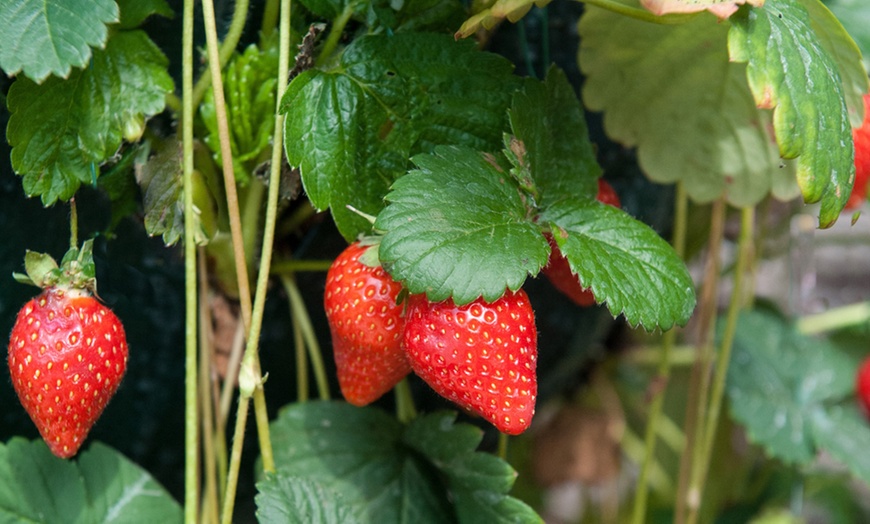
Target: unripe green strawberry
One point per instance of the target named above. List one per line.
(558, 270)
(366, 325)
(67, 356)
(480, 356)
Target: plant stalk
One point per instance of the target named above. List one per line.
(663, 374)
(228, 46)
(334, 36)
(297, 309)
(191, 440)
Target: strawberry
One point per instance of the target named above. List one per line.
(861, 139)
(862, 385)
(366, 325)
(480, 356)
(558, 270)
(67, 356)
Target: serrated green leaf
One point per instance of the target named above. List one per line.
(38, 266)
(61, 130)
(845, 53)
(385, 472)
(779, 381)
(459, 227)
(844, 433)
(283, 499)
(671, 92)
(357, 454)
(103, 486)
(624, 262)
(45, 37)
(790, 72)
(548, 119)
(134, 12)
(249, 86)
(351, 130)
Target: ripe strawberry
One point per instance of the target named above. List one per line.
(862, 385)
(861, 139)
(480, 356)
(67, 356)
(558, 271)
(366, 326)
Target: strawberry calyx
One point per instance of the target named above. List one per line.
(75, 273)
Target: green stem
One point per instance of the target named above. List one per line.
(634, 449)
(640, 14)
(664, 370)
(227, 162)
(73, 224)
(833, 319)
(235, 463)
(228, 46)
(297, 309)
(191, 471)
(270, 19)
(502, 446)
(744, 262)
(699, 379)
(405, 409)
(334, 36)
(682, 355)
(289, 267)
(301, 361)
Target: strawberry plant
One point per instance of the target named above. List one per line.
(519, 252)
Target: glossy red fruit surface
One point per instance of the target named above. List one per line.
(558, 270)
(861, 140)
(862, 385)
(366, 326)
(480, 356)
(67, 356)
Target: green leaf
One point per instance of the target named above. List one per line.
(789, 72)
(381, 471)
(249, 84)
(61, 130)
(45, 37)
(779, 382)
(855, 17)
(548, 119)
(844, 51)
(283, 499)
(352, 129)
(459, 227)
(671, 92)
(844, 433)
(36, 486)
(134, 12)
(623, 261)
(357, 454)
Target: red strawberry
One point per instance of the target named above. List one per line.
(366, 326)
(861, 139)
(480, 356)
(558, 271)
(67, 356)
(862, 385)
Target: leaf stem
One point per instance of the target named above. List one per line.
(745, 251)
(405, 409)
(270, 19)
(228, 46)
(700, 377)
(502, 450)
(289, 267)
(659, 383)
(191, 470)
(211, 500)
(73, 224)
(334, 36)
(235, 463)
(640, 14)
(301, 361)
(833, 319)
(297, 309)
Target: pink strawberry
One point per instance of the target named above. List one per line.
(480, 356)
(366, 326)
(558, 270)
